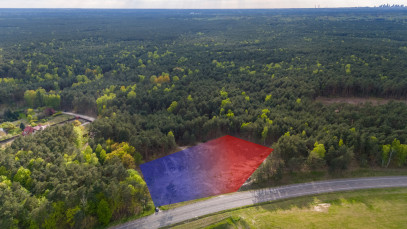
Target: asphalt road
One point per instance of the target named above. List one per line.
(85, 117)
(240, 199)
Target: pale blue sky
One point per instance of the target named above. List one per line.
(191, 4)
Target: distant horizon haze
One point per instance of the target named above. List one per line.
(194, 4)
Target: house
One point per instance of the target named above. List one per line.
(31, 130)
(40, 127)
(28, 130)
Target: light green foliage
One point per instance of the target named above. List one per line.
(78, 136)
(90, 157)
(395, 151)
(135, 182)
(131, 95)
(223, 93)
(190, 98)
(29, 97)
(103, 212)
(103, 155)
(298, 101)
(230, 114)
(23, 177)
(98, 149)
(347, 69)
(103, 101)
(268, 97)
(264, 132)
(70, 215)
(127, 153)
(318, 151)
(171, 139)
(8, 126)
(153, 78)
(245, 124)
(40, 97)
(52, 100)
(225, 102)
(264, 116)
(82, 79)
(340, 142)
(264, 113)
(172, 106)
(247, 98)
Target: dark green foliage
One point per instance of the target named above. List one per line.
(45, 180)
(161, 78)
(22, 126)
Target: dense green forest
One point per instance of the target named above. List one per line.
(159, 79)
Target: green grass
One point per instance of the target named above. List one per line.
(373, 208)
(303, 177)
(289, 178)
(58, 119)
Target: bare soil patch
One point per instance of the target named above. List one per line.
(357, 100)
(322, 207)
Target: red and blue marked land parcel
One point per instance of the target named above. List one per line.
(216, 167)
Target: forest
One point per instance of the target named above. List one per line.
(158, 80)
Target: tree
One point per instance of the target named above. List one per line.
(292, 150)
(23, 176)
(39, 100)
(22, 126)
(103, 212)
(316, 156)
(264, 134)
(318, 151)
(173, 106)
(103, 101)
(29, 97)
(340, 158)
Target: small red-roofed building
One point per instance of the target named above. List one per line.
(31, 130)
(28, 130)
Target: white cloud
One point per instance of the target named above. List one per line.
(191, 4)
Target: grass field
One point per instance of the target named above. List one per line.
(374, 208)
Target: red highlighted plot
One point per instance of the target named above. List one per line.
(212, 168)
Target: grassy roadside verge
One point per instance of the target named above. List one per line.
(288, 178)
(372, 208)
(303, 177)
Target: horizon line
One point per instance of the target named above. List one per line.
(86, 8)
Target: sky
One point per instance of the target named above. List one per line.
(193, 4)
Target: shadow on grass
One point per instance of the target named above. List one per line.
(230, 223)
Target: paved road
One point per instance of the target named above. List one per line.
(85, 117)
(240, 199)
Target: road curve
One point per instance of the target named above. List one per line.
(85, 117)
(240, 199)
